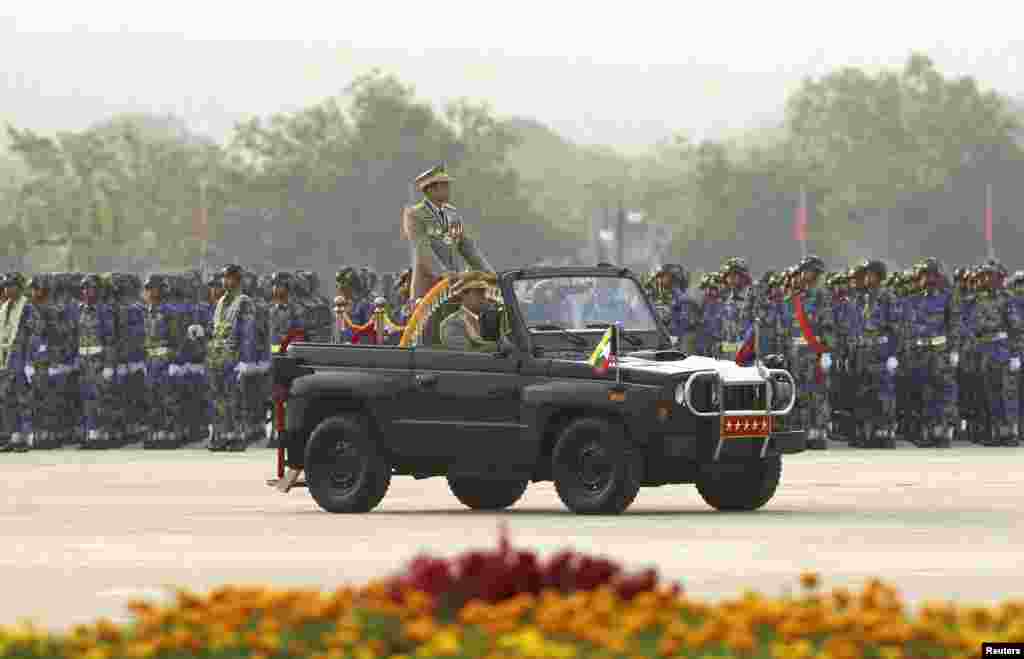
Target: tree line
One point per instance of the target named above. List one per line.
(892, 162)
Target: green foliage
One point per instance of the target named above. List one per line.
(859, 143)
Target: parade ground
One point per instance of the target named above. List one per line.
(85, 532)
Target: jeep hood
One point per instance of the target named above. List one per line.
(728, 371)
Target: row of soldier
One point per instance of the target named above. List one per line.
(911, 354)
(104, 361)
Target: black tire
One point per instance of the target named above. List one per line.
(359, 483)
(744, 490)
(487, 494)
(595, 469)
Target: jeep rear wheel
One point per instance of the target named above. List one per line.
(487, 494)
(595, 469)
(748, 488)
(345, 472)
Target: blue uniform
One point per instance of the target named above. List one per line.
(932, 334)
(96, 334)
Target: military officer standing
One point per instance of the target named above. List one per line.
(96, 331)
(711, 315)
(737, 308)
(810, 352)
(161, 346)
(45, 353)
(18, 326)
(131, 328)
(436, 233)
(231, 354)
(996, 363)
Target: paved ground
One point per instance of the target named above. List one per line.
(85, 532)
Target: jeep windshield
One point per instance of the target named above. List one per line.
(572, 308)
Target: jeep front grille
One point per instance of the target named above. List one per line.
(745, 397)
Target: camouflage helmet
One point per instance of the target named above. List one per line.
(249, 282)
(41, 281)
(680, 275)
(281, 279)
(1017, 280)
(14, 280)
(811, 264)
(735, 264)
(836, 280)
(156, 281)
(930, 265)
(711, 280)
(877, 267)
(998, 267)
(91, 280)
(349, 278)
(231, 269)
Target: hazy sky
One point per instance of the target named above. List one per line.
(625, 73)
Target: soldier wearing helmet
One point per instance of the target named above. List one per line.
(349, 287)
(131, 377)
(96, 328)
(231, 354)
(1015, 291)
(932, 353)
(737, 308)
(995, 362)
(44, 356)
(19, 324)
(872, 342)
(711, 315)
(679, 312)
(160, 344)
(810, 354)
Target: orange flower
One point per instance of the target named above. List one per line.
(810, 580)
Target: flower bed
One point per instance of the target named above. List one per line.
(509, 604)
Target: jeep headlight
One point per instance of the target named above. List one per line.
(681, 393)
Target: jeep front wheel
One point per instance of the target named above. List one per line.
(345, 471)
(487, 494)
(746, 488)
(595, 469)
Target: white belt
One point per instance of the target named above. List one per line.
(89, 351)
(60, 370)
(158, 352)
(935, 341)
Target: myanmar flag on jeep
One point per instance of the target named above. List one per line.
(603, 356)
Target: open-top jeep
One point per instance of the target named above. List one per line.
(534, 410)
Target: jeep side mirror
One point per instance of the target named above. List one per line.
(489, 323)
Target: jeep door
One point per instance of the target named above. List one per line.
(464, 406)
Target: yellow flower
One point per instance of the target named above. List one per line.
(810, 580)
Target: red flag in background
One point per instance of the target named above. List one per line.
(800, 222)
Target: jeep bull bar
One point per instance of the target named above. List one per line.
(748, 423)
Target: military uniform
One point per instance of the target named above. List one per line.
(45, 353)
(737, 310)
(131, 368)
(162, 340)
(1016, 315)
(711, 316)
(931, 358)
(256, 383)
(19, 332)
(461, 330)
(875, 342)
(429, 226)
(994, 362)
(96, 333)
(231, 353)
(809, 368)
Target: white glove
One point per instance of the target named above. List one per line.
(108, 373)
(172, 370)
(954, 358)
(42, 348)
(242, 368)
(1015, 364)
(892, 364)
(29, 372)
(826, 361)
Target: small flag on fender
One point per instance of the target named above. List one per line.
(603, 356)
(745, 355)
